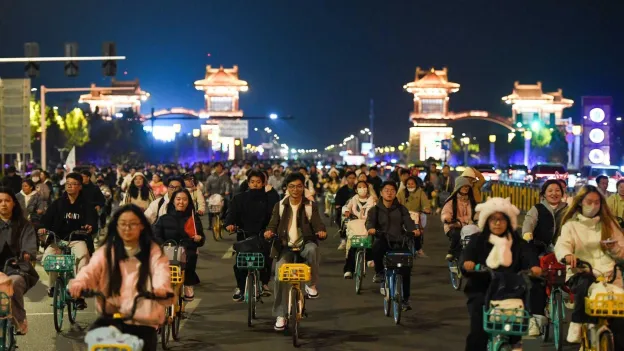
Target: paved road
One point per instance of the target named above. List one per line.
(338, 320)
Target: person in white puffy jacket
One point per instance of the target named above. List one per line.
(358, 208)
(590, 233)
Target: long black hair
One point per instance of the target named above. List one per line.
(134, 191)
(115, 251)
(471, 198)
(18, 221)
(189, 209)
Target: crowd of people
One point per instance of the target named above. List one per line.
(116, 218)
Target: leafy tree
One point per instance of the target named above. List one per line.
(76, 128)
(35, 118)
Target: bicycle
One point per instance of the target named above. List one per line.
(394, 260)
(64, 264)
(455, 271)
(215, 207)
(361, 244)
(116, 319)
(253, 262)
(173, 313)
(332, 208)
(501, 323)
(8, 342)
(295, 274)
(603, 306)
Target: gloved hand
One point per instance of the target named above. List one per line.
(527, 236)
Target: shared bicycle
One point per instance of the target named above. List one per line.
(394, 260)
(361, 244)
(174, 312)
(253, 262)
(215, 208)
(295, 274)
(8, 341)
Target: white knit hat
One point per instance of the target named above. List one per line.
(494, 205)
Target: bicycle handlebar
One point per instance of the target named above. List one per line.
(145, 295)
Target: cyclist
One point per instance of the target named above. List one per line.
(375, 180)
(616, 201)
(17, 236)
(158, 207)
(296, 223)
(184, 226)
(344, 194)
(476, 181)
(415, 199)
(69, 213)
(130, 262)
(501, 249)
(586, 226)
(331, 186)
(196, 194)
(139, 192)
(362, 177)
(251, 212)
(392, 218)
(357, 207)
(458, 210)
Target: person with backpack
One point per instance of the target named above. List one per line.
(295, 222)
(158, 207)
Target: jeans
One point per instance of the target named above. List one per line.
(311, 256)
(78, 249)
(379, 250)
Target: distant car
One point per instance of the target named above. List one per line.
(588, 175)
(516, 173)
(542, 172)
(488, 170)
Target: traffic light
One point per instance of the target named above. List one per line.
(109, 67)
(71, 67)
(31, 68)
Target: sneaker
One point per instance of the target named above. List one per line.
(378, 278)
(382, 290)
(449, 257)
(534, 329)
(238, 296)
(421, 254)
(574, 333)
(405, 306)
(81, 304)
(22, 328)
(348, 275)
(370, 264)
(51, 292)
(312, 292)
(280, 324)
(266, 292)
(343, 245)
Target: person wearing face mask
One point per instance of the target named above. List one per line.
(616, 201)
(415, 199)
(344, 194)
(251, 211)
(458, 211)
(502, 250)
(590, 233)
(357, 208)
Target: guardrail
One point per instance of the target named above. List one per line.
(522, 195)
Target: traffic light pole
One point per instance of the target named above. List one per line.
(59, 59)
(45, 90)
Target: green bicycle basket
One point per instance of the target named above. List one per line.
(250, 260)
(59, 263)
(506, 321)
(361, 242)
(5, 305)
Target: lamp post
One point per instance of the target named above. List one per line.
(577, 131)
(177, 128)
(465, 142)
(492, 150)
(196, 133)
(528, 135)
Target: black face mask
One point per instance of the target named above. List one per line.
(256, 193)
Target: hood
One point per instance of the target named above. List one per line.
(469, 172)
(459, 183)
(139, 174)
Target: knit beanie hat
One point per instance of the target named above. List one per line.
(497, 204)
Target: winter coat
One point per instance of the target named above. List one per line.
(171, 227)
(544, 222)
(63, 217)
(357, 209)
(250, 211)
(218, 184)
(35, 203)
(393, 220)
(416, 201)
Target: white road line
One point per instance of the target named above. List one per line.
(229, 253)
(189, 308)
(51, 313)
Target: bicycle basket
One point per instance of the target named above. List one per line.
(5, 305)
(59, 263)
(110, 347)
(177, 274)
(506, 321)
(250, 260)
(554, 271)
(398, 259)
(215, 208)
(295, 272)
(361, 242)
(607, 305)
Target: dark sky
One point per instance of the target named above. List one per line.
(322, 61)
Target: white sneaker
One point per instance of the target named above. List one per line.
(311, 291)
(574, 333)
(280, 324)
(382, 290)
(348, 275)
(370, 264)
(343, 245)
(534, 329)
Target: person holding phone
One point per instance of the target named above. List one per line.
(590, 233)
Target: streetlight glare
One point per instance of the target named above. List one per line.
(273, 116)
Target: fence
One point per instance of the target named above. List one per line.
(524, 196)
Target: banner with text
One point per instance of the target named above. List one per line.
(234, 129)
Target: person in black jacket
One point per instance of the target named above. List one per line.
(250, 212)
(69, 213)
(343, 195)
(497, 220)
(182, 225)
(375, 180)
(12, 180)
(91, 192)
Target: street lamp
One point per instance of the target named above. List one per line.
(177, 128)
(528, 135)
(492, 139)
(273, 116)
(196, 133)
(465, 141)
(577, 130)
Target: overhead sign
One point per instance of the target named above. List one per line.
(234, 129)
(446, 144)
(15, 116)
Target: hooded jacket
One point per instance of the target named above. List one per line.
(251, 210)
(449, 213)
(31, 203)
(63, 217)
(393, 220)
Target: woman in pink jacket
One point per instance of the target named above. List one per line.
(130, 262)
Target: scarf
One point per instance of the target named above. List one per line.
(501, 252)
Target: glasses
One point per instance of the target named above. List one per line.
(173, 187)
(293, 187)
(70, 185)
(496, 220)
(128, 225)
(389, 191)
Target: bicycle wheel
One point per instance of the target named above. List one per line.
(606, 341)
(250, 297)
(505, 347)
(216, 226)
(58, 304)
(215, 233)
(558, 320)
(177, 319)
(294, 321)
(165, 330)
(359, 270)
(257, 293)
(72, 311)
(387, 297)
(397, 299)
(12, 341)
(454, 273)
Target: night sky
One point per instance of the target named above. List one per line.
(322, 61)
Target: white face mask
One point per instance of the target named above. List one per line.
(35, 179)
(590, 211)
(362, 191)
(411, 190)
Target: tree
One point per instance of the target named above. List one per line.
(35, 118)
(76, 128)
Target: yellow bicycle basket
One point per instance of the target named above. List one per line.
(606, 305)
(177, 275)
(110, 347)
(295, 272)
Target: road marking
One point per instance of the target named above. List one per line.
(51, 313)
(189, 308)
(229, 253)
